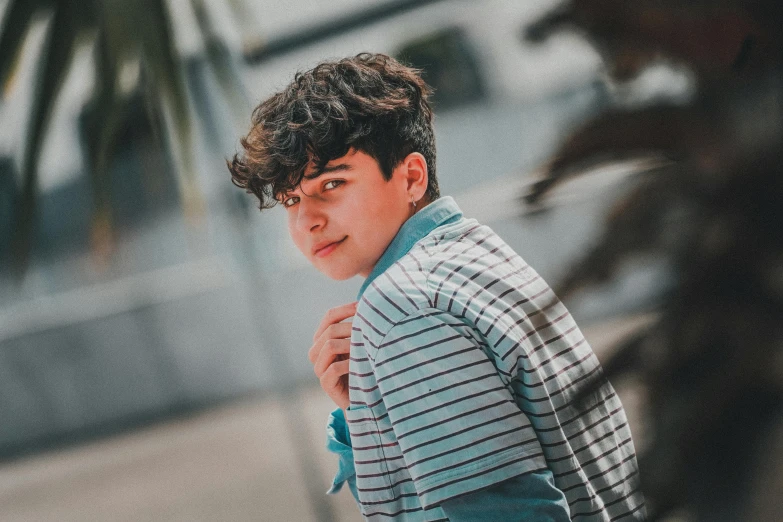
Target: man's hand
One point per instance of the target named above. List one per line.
(330, 352)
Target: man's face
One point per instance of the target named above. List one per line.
(344, 219)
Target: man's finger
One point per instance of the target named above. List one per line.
(332, 375)
(331, 349)
(335, 315)
(334, 331)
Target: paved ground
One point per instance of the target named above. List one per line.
(233, 463)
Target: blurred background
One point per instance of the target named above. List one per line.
(154, 325)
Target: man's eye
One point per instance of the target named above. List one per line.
(333, 183)
(289, 202)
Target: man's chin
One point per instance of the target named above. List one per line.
(337, 273)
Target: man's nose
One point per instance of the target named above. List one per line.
(310, 216)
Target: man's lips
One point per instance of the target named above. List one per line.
(324, 250)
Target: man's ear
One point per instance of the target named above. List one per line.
(414, 170)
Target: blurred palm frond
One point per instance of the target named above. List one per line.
(134, 52)
(712, 362)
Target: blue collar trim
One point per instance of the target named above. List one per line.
(440, 212)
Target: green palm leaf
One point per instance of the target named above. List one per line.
(137, 33)
(222, 63)
(16, 24)
(56, 59)
(141, 31)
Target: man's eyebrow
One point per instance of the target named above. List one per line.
(341, 167)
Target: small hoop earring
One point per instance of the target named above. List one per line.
(413, 201)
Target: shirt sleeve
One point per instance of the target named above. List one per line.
(338, 441)
(457, 424)
(532, 496)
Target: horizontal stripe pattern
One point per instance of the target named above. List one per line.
(463, 369)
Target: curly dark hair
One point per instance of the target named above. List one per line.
(371, 103)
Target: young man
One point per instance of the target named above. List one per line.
(458, 371)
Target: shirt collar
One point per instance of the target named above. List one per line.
(440, 212)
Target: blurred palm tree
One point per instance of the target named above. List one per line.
(134, 54)
(711, 363)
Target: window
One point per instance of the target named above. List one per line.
(449, 64)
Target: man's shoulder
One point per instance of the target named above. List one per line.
(406, 279)
(459, 252)
(443, 238)
(412, 283)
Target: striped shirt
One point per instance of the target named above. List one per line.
(463, 369)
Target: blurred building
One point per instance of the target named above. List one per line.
(187, 311)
